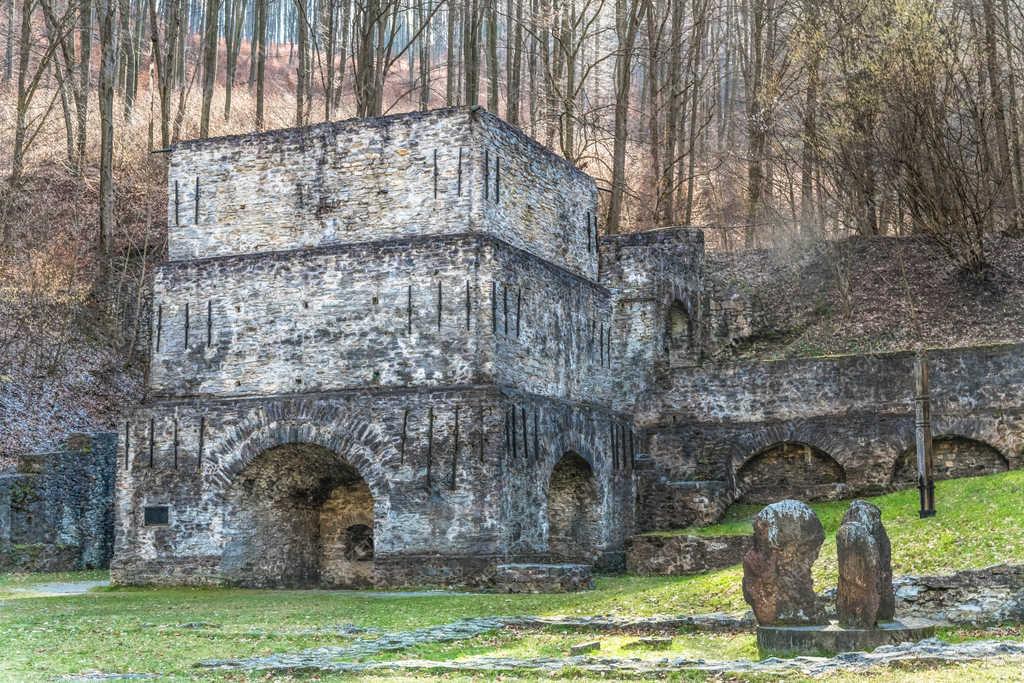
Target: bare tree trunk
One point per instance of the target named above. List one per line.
(130, 49)
(107, 15)
(992, 63)
(426, 38)
(532, 65)
(9, 48)
(163, 59)
(210, 44)
(181, 43)
(471, 17)
(328, 28)
(261, 57)
(24, 99)
(346, 20)
(666, 192)
(365, 54)
(627, 22)
(234, 18)
(302, 69)
(65, 105)
(451, 87)
(492, 55)
(700, 20)
(810, 126)
(84, 60)
(514, 54)
(1014, 109)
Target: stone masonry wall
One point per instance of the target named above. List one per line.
(443, 311)
(471, 504)
(56, 509)
(441, 172)
(649, 273)
(855, 414)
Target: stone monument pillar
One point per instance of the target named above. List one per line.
(865, 596)
(778, 585)
(777, 579)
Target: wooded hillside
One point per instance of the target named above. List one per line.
(777, 122)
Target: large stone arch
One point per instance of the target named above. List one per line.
(298, 516)
(789, 469)
(347, 433)
(954, 456)
(303, 496)
(819, 435)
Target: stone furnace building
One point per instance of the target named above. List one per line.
(389, 351)
(397, 351)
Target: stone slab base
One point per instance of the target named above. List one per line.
(543, 578)
(833, 639)
(679, 555)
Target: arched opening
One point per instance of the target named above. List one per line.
(298, 516)
(952, 457)
(679, 346)
(573, 511)
(789, 470)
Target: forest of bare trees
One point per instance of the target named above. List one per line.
(761, 119)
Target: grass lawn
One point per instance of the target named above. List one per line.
(168, 630)
(980, 522)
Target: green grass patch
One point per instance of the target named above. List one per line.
(979, 523)
(145, 629)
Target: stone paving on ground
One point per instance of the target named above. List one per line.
(64, 588)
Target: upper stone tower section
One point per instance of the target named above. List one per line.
(447, 171)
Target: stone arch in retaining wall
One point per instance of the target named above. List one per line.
(789, 469)
(573, 510)
(954, 456)
(353, 436)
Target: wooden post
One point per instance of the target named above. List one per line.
(923, 430)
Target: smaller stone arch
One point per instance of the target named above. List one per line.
(789, 469)
(573, 511)
(953, 456)
(680, 347)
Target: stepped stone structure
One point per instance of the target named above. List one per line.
(390, 352)
(399, 351)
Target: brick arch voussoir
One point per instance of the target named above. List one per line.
(756, 441)
(984, 432)
(348, 435)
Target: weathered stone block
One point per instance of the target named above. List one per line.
(543, 578)
(865, 594)
(777, 580)
(678, 555)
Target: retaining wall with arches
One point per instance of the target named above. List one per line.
(827, 428)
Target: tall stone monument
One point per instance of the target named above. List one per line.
(777, 569)
(777, 583)
(865, 595)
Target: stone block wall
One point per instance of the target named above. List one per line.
(56, 509)
(442, 172)
(826, 428)
(414, 312)
(649, 555)
(656, 278)
(458, 478)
